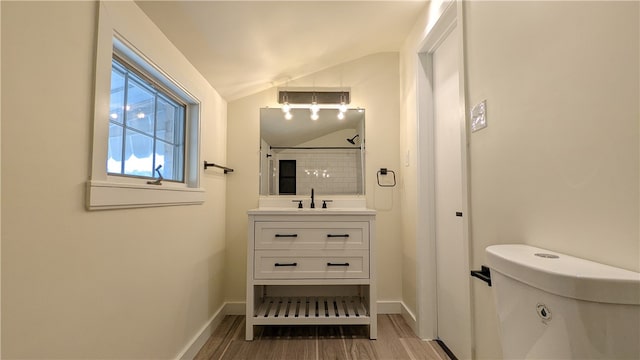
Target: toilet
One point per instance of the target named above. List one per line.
(556, 306)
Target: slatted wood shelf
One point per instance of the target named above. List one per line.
(312, 310)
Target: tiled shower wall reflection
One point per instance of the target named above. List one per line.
(327, 171)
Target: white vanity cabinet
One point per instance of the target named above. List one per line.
(311, 267)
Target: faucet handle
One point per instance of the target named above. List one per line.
(324, 203)
(299, 203)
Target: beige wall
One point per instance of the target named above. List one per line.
(374, 82)
(408, 172)
(558, 166)
(104, 284)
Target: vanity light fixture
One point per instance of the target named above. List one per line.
(314, 107)
(314, 104)
(314, 99)
(286, 108)
(342, 108)
(343, 104)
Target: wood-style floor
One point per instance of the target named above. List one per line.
(395, 340)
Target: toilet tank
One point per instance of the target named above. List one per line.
(555, 306)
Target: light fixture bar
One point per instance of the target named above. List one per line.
(321, 96)
(320, 106)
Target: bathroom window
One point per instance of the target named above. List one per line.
(146, 122)
(146, 126)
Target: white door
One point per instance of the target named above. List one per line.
(452, 278)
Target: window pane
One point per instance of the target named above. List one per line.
(140, 107)
(167, 121)
(117, 96)
(142, 119)
(170, 157)
(114, 161)
(138, 150)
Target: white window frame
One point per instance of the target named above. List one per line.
(119, 29)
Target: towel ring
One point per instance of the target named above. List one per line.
(384, 171)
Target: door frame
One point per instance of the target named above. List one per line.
(449, 21)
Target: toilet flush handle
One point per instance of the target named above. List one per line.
(483, 274)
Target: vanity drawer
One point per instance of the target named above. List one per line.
(312, 265)
(312, 235)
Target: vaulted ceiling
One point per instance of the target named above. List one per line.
(243, 47)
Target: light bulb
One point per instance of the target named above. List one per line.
(140, 115)
(286, 108)
(314, 116)
(340, 115)
(114, 116)
(343, 107)
(288, 115)
(314, 108)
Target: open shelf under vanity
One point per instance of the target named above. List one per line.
(311, 309)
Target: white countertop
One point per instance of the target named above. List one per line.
(307, 211)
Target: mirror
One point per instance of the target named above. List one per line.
(299, 154)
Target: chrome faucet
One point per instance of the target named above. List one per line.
(313, 204)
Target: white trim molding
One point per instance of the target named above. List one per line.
(123, 26)
(103, 195)
(450, 20)
(390, 307)
(410, 318)
(197, 342)
(235, 308)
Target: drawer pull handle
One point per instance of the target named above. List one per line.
(338, 235)
(286, 235)
(286, 264)
(337, 264)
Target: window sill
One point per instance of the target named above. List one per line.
(105, 195)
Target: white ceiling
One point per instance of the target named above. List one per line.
(243, 47)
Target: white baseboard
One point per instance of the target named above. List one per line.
(235, 308)
(409, 317)
(238, 308)
(389, 307)
(198, 341)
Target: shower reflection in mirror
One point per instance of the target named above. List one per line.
(298, 154)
